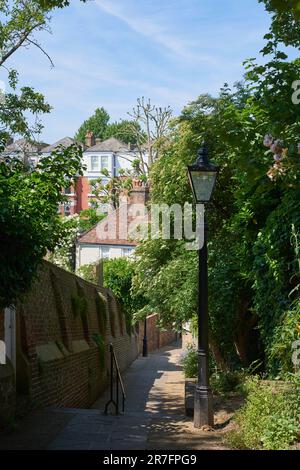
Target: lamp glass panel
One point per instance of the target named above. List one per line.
(203, 183)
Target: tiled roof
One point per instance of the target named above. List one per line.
(109, 145)
(23, 145)
(64, 142)
(109, 231)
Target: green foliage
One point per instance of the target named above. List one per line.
(29, 222)
(123, 131)
(118, 275)
(88, 272)
(226, 382)
(63, 254)
(222, 382)
(285, 26)
(88, 218)
(107, 189)
(252, 267)
(102, 311)
(189, 362)
(79, 305)
(126, 131)
(18, 24)
(97, 124)
(166, 276)
(99, 341)
(270, 418)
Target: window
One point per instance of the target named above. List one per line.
(126, 251)
(67, 208)
(104, 251)
(95, 163)
(104, 163)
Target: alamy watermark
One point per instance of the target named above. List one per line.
(2, 92)
(137, 222)
(296, 353)
(296, 93)
(2, 353)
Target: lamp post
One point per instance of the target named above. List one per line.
(202, 177)
(145, 340)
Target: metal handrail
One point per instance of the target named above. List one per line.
(119, 381)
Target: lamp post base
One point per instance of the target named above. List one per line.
(203, 407)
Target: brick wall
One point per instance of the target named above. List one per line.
(156, 338)
(58, 362)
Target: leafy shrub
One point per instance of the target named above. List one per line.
(189, 362)
(88, 272)
(226, 382)
(222, 383)
(270, 418)
(118, 275)
(285, 335)
(29, 223)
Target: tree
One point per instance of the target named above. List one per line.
(285, 25)
(150, 125)
(108, 189)
(20, 21)
(88, 218)
(63, 254)
(29, 222)
(122, 130)
(97, 124)
(256, 203)
(117, 275)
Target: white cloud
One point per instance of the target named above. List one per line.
(154, 31)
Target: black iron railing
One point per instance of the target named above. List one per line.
(115, 379)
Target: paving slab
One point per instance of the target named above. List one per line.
(154, 416)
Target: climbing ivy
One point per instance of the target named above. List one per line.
(102, 311)
(99, 341)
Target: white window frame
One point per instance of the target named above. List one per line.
(106, 250)
(104, 166)
(95, 159)
(125, 252)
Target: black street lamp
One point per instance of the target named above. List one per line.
(202, 177)
(145, 340)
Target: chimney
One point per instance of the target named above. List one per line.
(130, 146)
(139, 193)
(98, 141)
(89, 139)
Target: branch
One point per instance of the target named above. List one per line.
(41, 49)
(22, 39)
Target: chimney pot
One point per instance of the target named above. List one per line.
(89, 139)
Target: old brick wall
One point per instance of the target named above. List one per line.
(156, 338)
(58, 362)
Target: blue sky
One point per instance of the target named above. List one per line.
(109, 52)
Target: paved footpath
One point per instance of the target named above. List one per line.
(154, 416)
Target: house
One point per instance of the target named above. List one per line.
(118, 234)
(22, 148)
(111, 155)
